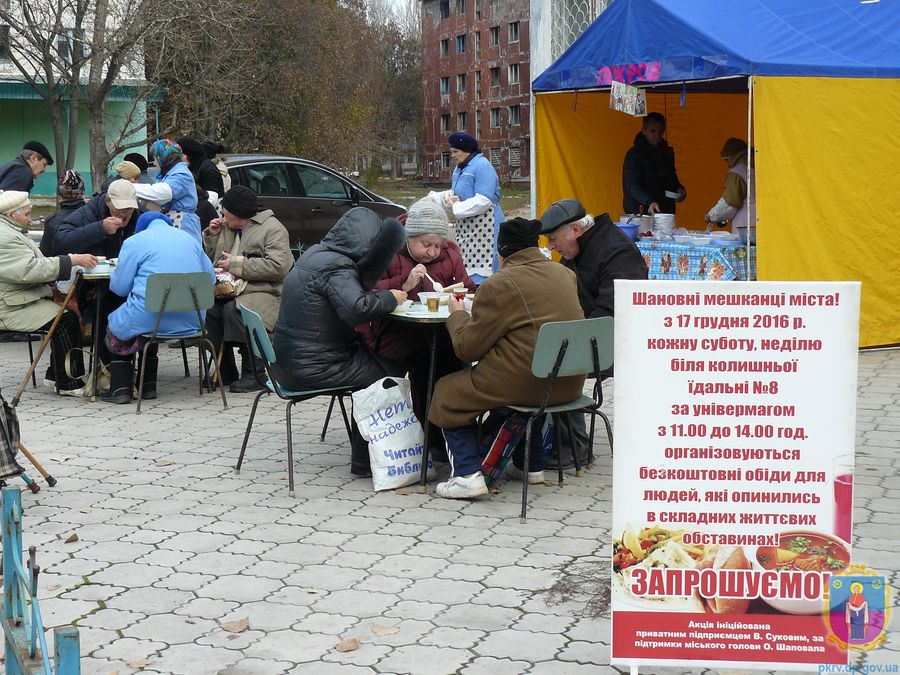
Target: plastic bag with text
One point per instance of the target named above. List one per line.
(384, 413)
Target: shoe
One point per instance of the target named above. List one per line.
(121, 375)
(246, 384)
(49, 383)
(462, 487)
(78, 391)
(247, 381)
(149, 379)
(360, 471)
(515, 473)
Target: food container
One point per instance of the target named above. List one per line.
(629, 229)
(683, 239)
(746, 232)
(645, 222)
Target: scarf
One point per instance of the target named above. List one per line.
(167, 153)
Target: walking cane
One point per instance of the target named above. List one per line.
(51, 481)
(46, 341)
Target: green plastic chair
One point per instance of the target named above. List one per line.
(259, 342)
(179, 292)
(565, 348)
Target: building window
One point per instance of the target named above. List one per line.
(477, 124)
(445, 123)
(445, 86)
(513, 73)
(445, 9)
(461, 82)
(495, 77)
(515, 157)
(70, 45)
(477, 45)
(477, 84)
(461, 7)
(515, 114)
(495, 118)
(5, 52)
(494, 36)
(460, 44)
(477, 9)
(495, 156)
(445, 160)
(445, 48)
(514, 31)
(461, 121)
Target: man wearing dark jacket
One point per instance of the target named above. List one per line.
(71, 194)
(205, 172)
(326, 295)
(599, 253)
(19, 174)
(648, 172)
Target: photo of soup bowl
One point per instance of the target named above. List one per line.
(804, 551)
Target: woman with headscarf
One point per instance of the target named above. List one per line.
(176, 191)
(737, 202)
(474, 200)
(26, 297)
(71, 196)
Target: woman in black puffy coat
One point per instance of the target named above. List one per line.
(325, 296)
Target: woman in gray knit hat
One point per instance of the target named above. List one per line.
(427, 249)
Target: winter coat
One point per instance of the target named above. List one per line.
(263, 259)
(207, 175)
(646, 175)
(501, 333)
(176, 191)
(25, 275)
(16, 175)
(82, 230)
(399, 340)
(326, 295)
(159, 248)
(605, 254)
(66, 208)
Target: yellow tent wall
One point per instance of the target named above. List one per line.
(828, 182)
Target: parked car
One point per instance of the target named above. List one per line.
(307, 197)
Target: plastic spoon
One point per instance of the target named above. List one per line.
(437, 287)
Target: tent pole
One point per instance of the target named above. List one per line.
(751, 153)
(532, 156)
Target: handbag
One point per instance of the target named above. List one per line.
(228, 285)
(102, 373)
(9, 440)
(384, 414)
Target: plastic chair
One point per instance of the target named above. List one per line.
(564, 348)
(179, 292)
(259, 342)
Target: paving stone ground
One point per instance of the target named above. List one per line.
(173, 547)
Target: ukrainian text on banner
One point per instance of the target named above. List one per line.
(732, 480)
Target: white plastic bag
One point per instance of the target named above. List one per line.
(384, 413)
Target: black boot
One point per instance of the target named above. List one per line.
(149, 391)
(248, 381)
(360, 465)
(121, 377)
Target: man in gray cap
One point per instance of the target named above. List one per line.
(599, 253)
(19, 174)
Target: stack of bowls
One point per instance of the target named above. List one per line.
(663, 225)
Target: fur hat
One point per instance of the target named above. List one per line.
(39, 148)
(517, 234)
(71, 185)
(12, 200)
(128, 170)
(426, 217)
(561, 213)
(137, 159)
(460, 140)
(211, 149)
(241, 201)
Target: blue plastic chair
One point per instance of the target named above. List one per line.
(259, 342)
(565, 348)
(179, 292)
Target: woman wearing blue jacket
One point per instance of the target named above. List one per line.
(474, 199)
(176, 191)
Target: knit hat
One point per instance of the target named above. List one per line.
(460, 140)
(191, 147)
(137, 159)
(128, 170)
(211, 149)
(122, 194)
(561, 213)
(144, 220)
(71, 185)
(39, 148)
(12, 200)
(732, 148)
(517, 234)
(241, 201)
(426, 217)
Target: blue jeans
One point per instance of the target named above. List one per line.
(466, 452)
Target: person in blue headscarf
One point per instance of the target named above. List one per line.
(474, 199)
(176, 191)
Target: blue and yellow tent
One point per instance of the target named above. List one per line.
(814, 84)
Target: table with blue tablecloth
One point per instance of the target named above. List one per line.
(670, 260)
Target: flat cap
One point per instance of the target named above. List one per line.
(39, 148)
(561, 213)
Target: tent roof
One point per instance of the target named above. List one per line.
(646, 41)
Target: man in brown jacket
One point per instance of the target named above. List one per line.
(510, 307)
(255, 248)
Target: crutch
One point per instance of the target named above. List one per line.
(46, 341)
(51, 481)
